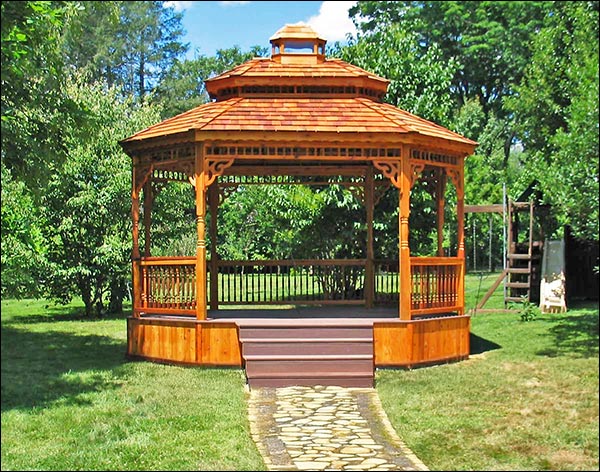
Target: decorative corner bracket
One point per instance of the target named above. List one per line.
(415, 172)
(456, 177)
(390, 169)
(215, 167)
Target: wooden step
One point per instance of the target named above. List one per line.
(324, 346)
(518, 285)
(288, 381)
(286, 353)
(513, 299)
(519, 256)
(515, 270)
(305, 332)
(269, 366)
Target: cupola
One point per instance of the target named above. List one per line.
(297, 44)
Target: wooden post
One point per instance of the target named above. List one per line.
(369, 267)
(213, 202)
(441, 204)
(135, 253)
(460, 211)
(199, 178)
(148, 203)
(405, 280)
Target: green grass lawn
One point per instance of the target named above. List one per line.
(71, 401)
(527, 399)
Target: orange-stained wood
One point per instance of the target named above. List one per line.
(417, 342)
(185, 341)
(369, 267)
(199, 176)
(405, 280)
(397, 343)
(220, 344)
(213, 202)
(167, 342)
(148, 203)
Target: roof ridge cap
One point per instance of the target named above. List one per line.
(432, 123)
(368, 102)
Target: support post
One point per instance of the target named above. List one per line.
(460, 210)
(405, 281)
(148, 203)
(135, 253)
(213, 202)
(441, 204)
(370, 264)
(199, 178)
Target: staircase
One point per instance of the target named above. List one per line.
(307, 352)
(523, 259)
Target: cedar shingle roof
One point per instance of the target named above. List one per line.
(298, 92)
(340, 115)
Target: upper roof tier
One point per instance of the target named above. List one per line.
(297, 67)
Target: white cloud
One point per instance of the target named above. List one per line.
(179, 6)
(233, 3)
(333, 22)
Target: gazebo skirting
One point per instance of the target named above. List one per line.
(164, 326)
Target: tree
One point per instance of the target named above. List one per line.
(22, 248)
(182, 87)
(556, 108)
(128, 44)
(489, 39)
(420, 79)
(34, 105)
(87, 202)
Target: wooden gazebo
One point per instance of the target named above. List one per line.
(301, 118)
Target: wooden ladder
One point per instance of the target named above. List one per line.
(519, 263)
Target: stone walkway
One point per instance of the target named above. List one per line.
(326, 428)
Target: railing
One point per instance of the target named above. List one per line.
(291, 281)
(437, 285)
(168, 285)
(386, 281)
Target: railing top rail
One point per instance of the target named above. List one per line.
(295, 262)
(187, 260)
(419, 261)
(165, 261)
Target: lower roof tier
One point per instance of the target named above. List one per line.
(339, 115)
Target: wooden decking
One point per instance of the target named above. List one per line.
(301, 346)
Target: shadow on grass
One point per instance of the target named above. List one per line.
(35, 367)
(64, 313)
(574, 334)
(479, 345)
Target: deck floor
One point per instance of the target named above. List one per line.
(311, 315)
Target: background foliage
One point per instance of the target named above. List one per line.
(521, 78)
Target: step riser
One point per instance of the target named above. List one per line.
(302, 367)
(308, 355)
(251, 348)
(306, 332)
(358, 382)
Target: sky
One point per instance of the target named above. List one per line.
(220, 25)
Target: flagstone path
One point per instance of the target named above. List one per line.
(326, 428)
